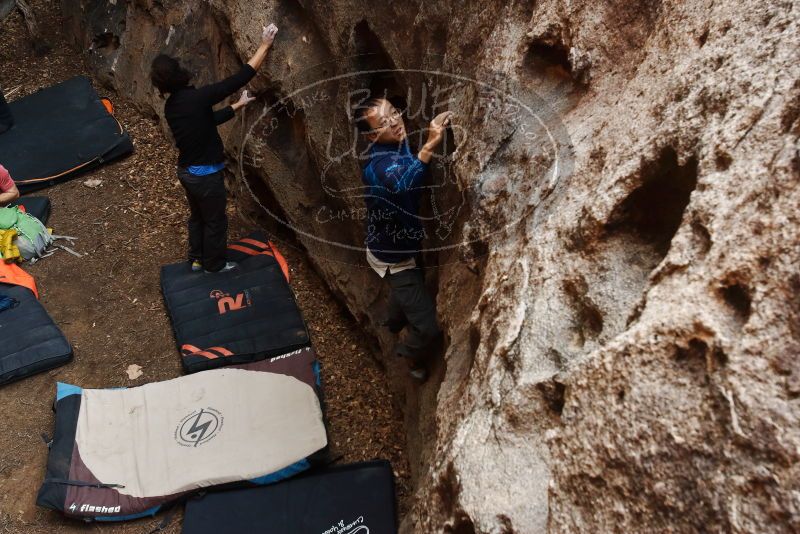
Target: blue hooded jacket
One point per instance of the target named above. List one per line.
(394, 178)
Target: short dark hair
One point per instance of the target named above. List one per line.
(360, 113)
(167, 74)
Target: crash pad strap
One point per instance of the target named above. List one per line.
(80, 483)
(211, 353)
(253, 247)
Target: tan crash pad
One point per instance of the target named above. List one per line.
(200, 430)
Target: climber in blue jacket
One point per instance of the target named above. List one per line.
(394, 177)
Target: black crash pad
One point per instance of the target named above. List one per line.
(58, 133)
(39, 207)
(6, 119)
(350, 499)
(30, 342)
(239, 316)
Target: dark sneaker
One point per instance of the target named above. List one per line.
(395, 327)
(417, 371)
(229, 266)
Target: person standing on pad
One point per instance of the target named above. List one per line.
(201, 156)
(394, 177)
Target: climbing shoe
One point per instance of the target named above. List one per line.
(395, 326)
(197, 266)
(417, 371)
(229, 266)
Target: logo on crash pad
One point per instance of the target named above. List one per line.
(199, 427)
(226, 303)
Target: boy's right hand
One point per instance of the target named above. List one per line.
(437, 128)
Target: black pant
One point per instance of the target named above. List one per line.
(6, 119)
(208, 222)
(411, 305)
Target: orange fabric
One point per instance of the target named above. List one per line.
(243, 249)
(34, 180)
(108, 105)
(191, 350)
(281, 260)
(11, 273)
(204, 354)
(267, 248)
(259, 244)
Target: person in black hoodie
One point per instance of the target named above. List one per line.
(201, 158)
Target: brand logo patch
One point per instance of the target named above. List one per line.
(199, 427)
(96, 509)
(226, 303)
(354, 527)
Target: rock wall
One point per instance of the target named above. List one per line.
(616, 233)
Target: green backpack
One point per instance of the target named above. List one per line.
(32, 236)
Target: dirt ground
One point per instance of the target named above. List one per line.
(109, 305)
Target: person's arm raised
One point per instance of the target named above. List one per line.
(267, 38)
(216, 92)
(435, 135)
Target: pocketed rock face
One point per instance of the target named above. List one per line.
(623, 329)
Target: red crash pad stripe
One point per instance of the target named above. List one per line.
(263, 248)
(204, 354)
(246, 250)
(281, 260)
(255, 243)
(211, 353)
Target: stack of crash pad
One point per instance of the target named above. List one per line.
(350, 499)
(60, 132)
(243, 315)
(253, 420)
(119, 454)
(30, 342)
